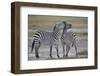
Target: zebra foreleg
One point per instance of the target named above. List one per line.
(67, 50)
(57, 51)
(51, 51)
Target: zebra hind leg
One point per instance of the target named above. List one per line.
(37, 49)
(67, 50)
(76, 50)
(75, 45)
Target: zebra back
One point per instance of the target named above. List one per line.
(48, 37)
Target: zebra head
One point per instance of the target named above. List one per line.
(67, 26)
(60, 26)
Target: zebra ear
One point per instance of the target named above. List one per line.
(64, 22)
(65, 27)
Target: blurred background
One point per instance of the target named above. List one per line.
(45, 22)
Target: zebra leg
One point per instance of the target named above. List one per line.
(36, 50)
(57, 51)
(51, 51)
(67, 49)
(63, 50)
(76, 50)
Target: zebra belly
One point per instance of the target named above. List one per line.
(45, 42)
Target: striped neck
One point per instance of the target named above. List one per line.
(64, 32)
(56, 34)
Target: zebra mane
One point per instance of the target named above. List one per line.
(65, 27)
(54, 27)
(64, 22)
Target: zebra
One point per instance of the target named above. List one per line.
(48, 38)
(68, 39)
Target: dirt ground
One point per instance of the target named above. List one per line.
(44, 52)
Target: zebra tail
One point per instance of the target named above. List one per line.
(32, 46)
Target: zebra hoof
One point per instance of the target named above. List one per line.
(51, 57)
(66, 55)
(37, 56)
(58, 56)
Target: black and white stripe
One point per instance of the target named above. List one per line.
(47, 38)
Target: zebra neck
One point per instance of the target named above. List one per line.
(56, 34)
(63, 33)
